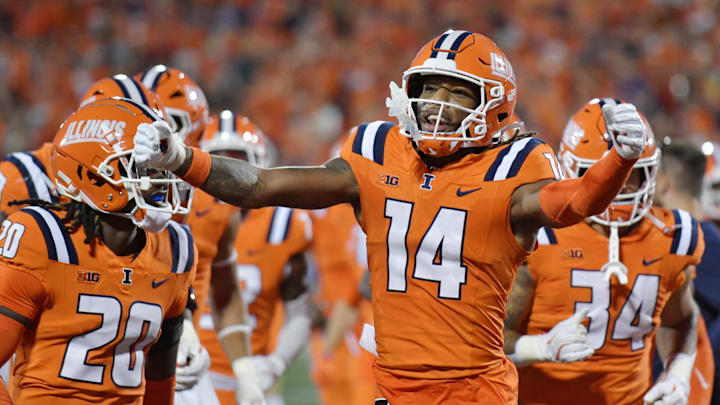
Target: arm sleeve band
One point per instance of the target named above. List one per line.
(160, 392)
(567, 202)
(199, 168)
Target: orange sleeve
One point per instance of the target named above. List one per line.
(4, 394)
(21, 292)
(11, 332)
(567, 202)
(159, 392)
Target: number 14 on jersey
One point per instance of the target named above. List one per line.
(439, 254)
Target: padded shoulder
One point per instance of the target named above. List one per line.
(183, 247)
(528, 152)
(57, 239)
(685, 234)
(369, 140)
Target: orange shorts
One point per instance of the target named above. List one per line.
(495, 387)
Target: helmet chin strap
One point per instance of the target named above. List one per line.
(614, 266)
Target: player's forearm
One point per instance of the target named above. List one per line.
(510, 338)
(680, 337)
(567, 202)
(245, 185)
(232, 323)
(341, 320)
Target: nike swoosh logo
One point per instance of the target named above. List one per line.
(647, 263)
(461, 193)
(202, 213)
(253, 252)
(159, 283)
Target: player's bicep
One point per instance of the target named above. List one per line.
(681, 305)
(308, 187)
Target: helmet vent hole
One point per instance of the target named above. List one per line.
(177, 93)
(97, 180)
(502, 116)
(79, 172)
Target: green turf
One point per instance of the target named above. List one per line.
(298, 387)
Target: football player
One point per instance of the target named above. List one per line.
(679, 185)
(92, 289)
(449, 212)
(25, 175)
(628, 269)
(270, 268)
(215, 227)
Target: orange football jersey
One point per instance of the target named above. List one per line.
(441, 252)
(208, 219)
(26, 175)
(336, 255)
(623, 318)
(99, 313)
(267, 239)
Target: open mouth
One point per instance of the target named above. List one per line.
(429, 121)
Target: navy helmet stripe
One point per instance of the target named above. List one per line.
(520, 159)
(437, 45)
(456, 45)
(379, 146)
(145, 110)
(140, 90)
(357, 142)
(175, 248)
(152, 76)
(25, 175)
(120, 84)
(47, 235)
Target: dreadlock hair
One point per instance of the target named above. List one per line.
(76, 214)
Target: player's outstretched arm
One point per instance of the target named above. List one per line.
(565, 342)
(566, 202)
(240, 183)
(676, 340)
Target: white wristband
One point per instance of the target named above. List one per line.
(530, 349)
(229, 330)
(243, 368)
(681, 365)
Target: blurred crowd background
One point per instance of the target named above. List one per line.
(306, 71)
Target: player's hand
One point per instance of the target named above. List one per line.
(192, 358)
(626, 128)
(248, 392)
(566, 341)
(674, 390)
(157, 147)
(398, 105)
(268, 370)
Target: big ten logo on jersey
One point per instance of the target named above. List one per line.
(85, 276)
(572, 253)
(388, 180)
(93, 131)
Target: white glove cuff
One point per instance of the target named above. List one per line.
(244, 369)
(179, 158)
(681, 365)
(530, 349)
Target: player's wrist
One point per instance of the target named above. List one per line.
(244, 369)
(531, 349)
(680, 365)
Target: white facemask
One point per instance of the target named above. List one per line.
(154, 221)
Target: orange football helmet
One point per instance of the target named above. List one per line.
(228, 132)
(93, 161)
(476, 59)
(585, 140)
(184, 101)
(123, 86)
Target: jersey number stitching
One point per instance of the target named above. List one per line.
(439, 255)
(635, 320)
(141, 329)
(11, 232)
